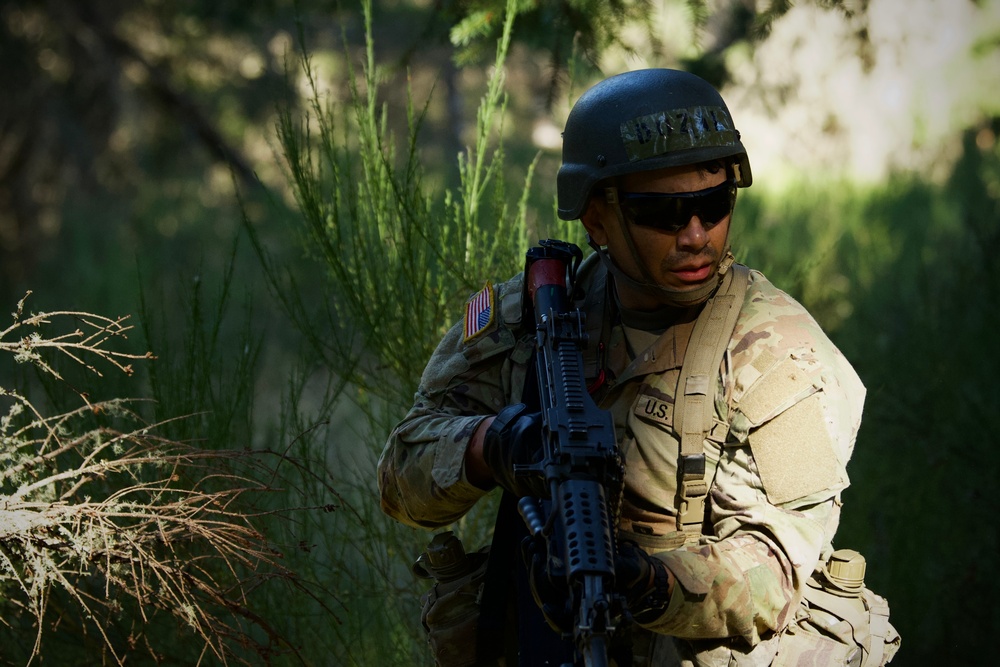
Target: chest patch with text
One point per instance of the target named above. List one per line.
(655, 409)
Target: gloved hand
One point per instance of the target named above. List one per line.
(643, 581)
(515, 439)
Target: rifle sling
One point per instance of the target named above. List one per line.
(493, 629)
(499, 597)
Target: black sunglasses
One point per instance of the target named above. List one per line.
(672, 211)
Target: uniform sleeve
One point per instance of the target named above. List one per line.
(794, 407)
(746, 582)
(421, 471)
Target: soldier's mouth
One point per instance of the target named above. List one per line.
(691, 274)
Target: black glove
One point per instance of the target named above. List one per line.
(643, 581)
(515, 439)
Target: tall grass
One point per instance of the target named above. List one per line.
(389, 264)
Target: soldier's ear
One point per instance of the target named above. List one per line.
(595, 220)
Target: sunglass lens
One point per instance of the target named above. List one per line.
(712, 208)
(665, 214)
(671, 213)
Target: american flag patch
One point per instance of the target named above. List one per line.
(479, 313)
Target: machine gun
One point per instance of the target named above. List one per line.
(581, 463)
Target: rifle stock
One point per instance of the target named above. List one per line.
(580, 463)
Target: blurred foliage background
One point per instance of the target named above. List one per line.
(275, 190)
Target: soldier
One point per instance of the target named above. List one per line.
(719, 541)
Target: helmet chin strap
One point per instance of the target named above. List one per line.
(665, 295)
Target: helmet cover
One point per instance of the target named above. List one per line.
(644, 120)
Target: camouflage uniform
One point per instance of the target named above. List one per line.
(788, 407)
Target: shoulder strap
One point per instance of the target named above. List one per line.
(694, 404)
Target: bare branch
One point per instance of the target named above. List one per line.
(96, 495)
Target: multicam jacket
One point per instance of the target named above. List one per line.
(787, 409)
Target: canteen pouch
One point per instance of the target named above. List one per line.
(450, 609)
(840, 621)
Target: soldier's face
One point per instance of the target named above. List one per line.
(680, 260)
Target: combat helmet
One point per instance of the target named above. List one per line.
(643, 120)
